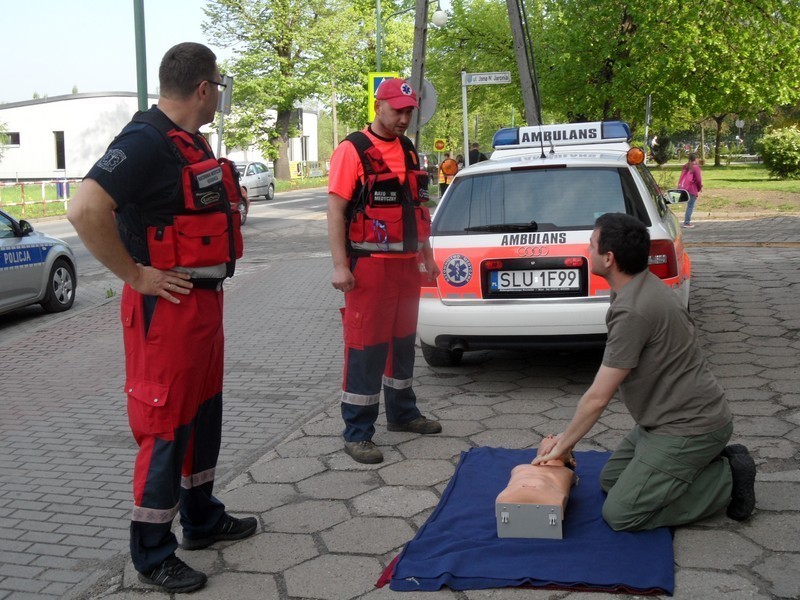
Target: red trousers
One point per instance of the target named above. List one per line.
(380, 327)
(174, 370)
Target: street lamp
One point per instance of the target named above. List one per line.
(439, 18)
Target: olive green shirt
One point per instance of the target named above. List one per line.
(670, 389)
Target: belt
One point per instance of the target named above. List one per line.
(208, 284)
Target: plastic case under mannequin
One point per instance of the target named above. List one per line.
(519, 520)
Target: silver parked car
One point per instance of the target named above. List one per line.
(257, 179)
(34, 268)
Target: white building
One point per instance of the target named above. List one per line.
(62, 137)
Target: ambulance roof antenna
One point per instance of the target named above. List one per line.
(541, 141)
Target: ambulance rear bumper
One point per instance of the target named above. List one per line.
(519, 324)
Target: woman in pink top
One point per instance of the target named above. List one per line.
(691, 180)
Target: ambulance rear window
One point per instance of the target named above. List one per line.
(555, 199)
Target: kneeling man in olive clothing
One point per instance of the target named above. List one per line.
(674, 466)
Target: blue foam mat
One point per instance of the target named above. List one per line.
(458, 545)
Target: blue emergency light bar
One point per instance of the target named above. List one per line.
(569, 134)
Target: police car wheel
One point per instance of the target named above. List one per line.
(60, 293)
(270, 192)
(439, 357)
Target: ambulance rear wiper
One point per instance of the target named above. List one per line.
(505, 227)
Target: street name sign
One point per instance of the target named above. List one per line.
(488, 78)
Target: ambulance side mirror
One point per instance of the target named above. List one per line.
(677, 196)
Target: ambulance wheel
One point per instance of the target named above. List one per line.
(439, 357)
(60, 287)
(270, 192)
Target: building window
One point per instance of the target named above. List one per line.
(61, 162)
(10, 139)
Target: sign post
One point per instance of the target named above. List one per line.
(494, 78)
(375, 79)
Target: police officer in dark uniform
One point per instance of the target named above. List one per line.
(159, 183)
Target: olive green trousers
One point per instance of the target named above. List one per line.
(662, 480)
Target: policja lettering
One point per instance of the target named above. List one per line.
(16, 257)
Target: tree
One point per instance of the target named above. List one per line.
(600, 58)
(3, 138)
(283, 51)
(477, 38)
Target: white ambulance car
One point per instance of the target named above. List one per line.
(511, 238)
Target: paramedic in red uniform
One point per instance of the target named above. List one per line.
(378, 228)
(128, 211)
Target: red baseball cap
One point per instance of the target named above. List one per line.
(398, 93)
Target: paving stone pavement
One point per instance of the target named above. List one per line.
(328, 526)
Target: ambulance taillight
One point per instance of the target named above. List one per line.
(663, 261)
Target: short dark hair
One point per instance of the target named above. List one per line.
(692, 156)
(183, 67)
(627, 237)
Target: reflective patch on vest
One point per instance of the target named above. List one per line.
(111, 160)
(386, 197)
(397, 384)
(197, 479)
(360, 399)
(209, 178)
(154, 515)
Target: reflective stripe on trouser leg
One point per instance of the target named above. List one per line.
(398, 393)
(168, 406)
(401, 402)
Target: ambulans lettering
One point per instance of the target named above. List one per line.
(534, 239)
(558, 135)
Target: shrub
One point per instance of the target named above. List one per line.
(780, 150)
(664, 150)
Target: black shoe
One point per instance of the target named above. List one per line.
(364, 452)
(174, 575)
(735, 449)
(229, 528)
(743, 490)
(419, 425)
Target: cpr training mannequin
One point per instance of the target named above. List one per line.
(546, 483)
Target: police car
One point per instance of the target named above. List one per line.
(511, 238)
(34, 268)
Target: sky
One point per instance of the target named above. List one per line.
(51, 46)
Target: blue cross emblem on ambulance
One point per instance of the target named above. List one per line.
(457, 270)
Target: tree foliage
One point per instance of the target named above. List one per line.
(3, 138)
(596, 59)
(702, 58)
(476, 39)
(284, 48)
